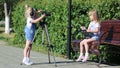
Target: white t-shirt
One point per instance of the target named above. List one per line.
(29, 23)
(93, 25)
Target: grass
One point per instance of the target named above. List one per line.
(4, 36)
(7, 38)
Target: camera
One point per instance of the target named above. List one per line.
(46, 13)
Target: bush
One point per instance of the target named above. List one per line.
(1, 10)
(58, 21)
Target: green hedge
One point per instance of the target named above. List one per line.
(58, 21)
(1, 10)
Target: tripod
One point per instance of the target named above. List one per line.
(49, 45)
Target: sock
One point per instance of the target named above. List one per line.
(86, 54)
(24, 59)
(81, 54)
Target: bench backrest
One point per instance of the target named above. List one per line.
(110, 32)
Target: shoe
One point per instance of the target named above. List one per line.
(28, 59)
(80, 58)
(85, 59)
(23, 60)
(26, 62)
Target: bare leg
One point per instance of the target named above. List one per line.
(81, 46)
(87, 49)
(81, 51)
(27, 49)
(86, 44)
(28, 53)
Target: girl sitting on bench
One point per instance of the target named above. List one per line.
(94, 29)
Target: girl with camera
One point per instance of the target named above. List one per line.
(29, 30)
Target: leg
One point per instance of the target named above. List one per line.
(81, 51)
(87, 48)
(27, 49)
(27, 53)
(86, 44)
(81, 46)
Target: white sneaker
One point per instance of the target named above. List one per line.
(85, 59)
(27, 63)
(23, 60)
(80, 58)
(30, 62)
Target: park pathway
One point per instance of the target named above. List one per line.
(11, 57)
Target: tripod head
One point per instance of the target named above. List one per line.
(43, 22)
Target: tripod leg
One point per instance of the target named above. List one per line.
(47, 35)
(48, 42)
(49, 54)
(35, 34)
(43, 36)
(45, 28)
(50, 47)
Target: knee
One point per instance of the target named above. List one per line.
(28, 46)
(85, 42)
(82, 42)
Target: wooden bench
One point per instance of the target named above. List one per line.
(110, 32)
(110, 35)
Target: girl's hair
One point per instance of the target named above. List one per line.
(27, 10)
(95, 15)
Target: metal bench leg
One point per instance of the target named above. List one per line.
(75, 56)
(100, 58)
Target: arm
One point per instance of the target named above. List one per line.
(93, 31)
(88, 29)
(38, 19)
(96, 30)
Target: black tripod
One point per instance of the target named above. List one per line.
(50, 47)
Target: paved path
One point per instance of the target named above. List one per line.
(11, 57)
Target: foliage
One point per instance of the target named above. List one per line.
(10, 4)
(58, 21)
(1, 9)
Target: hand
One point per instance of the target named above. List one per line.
(39, 10)
(83, 28)
(88, 30)
(44, 15)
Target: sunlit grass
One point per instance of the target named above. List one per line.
(7, 39)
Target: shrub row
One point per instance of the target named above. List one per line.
(58, 21)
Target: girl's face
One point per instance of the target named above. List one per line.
(91, 17)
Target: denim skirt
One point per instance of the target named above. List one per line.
(29, 33)
(95, 36)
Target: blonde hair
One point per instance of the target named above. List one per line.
(95, 15)
(27, 10)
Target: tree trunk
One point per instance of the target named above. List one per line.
(7, 20)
